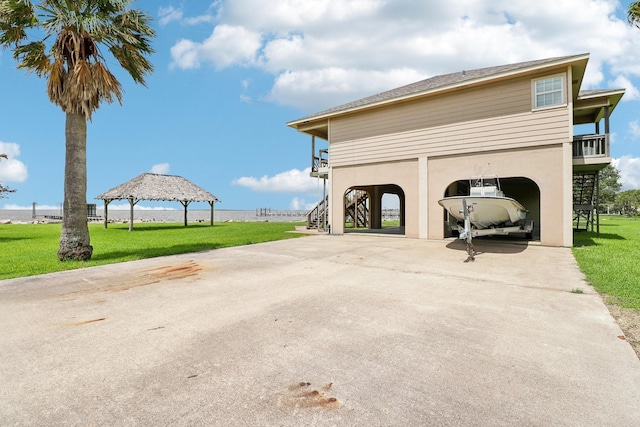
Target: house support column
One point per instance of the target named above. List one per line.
(423, 198)
(313, 153)
(598, 203)
(401, 210)
(567, 197)
(375, 208)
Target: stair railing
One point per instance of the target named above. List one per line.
(317, 217)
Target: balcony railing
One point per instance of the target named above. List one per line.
(320, 163)
(591, 146)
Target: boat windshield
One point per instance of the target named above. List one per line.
(484, 182)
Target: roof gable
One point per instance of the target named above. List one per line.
(442, 82)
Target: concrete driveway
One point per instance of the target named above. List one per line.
(323, 330)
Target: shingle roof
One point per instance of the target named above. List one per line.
(596, 92)
(151, 186)
(438, 82)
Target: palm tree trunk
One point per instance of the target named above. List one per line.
(74, 239)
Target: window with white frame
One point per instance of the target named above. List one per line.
(548, 92)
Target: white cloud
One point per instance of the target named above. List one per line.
(13, 206)
(227, 46)
(324, 52)
(185, 55)
(631, 92)
(246, 84)
(298, 204)
(160, 168)
(198, 19)
(291, 181)
(12, 169)
(334, 86)
(168, 14)
(629, 168)
(634, 129)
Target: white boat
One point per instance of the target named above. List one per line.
(486, 204)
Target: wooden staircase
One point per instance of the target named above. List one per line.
(584, 201)
(356, 209)
(317, 217)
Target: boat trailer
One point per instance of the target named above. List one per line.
(467, 232)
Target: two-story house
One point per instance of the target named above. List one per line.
(423, 141)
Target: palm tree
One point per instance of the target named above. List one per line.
(633, 15)
(60, 40)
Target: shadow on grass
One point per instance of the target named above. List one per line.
(586, 238)
(603, 224)
(142, 253)
(9, 239)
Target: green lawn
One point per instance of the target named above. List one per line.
(611, 261)
(29, 249)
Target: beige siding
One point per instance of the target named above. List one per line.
(495, 117)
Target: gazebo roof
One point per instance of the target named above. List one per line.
(152, 186)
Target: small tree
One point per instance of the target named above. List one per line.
(609, 186)
(628, 202)
(4, 189)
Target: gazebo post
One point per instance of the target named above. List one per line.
(106, 212)
(211, 202)
(185, 203)
(131, 205)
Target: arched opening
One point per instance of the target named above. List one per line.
(374, 208)
(522, 189)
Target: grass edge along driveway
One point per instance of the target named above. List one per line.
(610, 262)
(30, 249)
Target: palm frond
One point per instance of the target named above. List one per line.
(32, 57)
(131, 60)
(56, 82)
(106, 83)
(129, 42)
(633, 16)
(15, 18)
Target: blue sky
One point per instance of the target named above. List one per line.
(229, 75)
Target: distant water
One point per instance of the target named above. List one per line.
(165, 215)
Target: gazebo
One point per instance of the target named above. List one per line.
(157, 187)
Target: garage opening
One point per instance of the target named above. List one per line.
(522, 189)
(374, 209)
